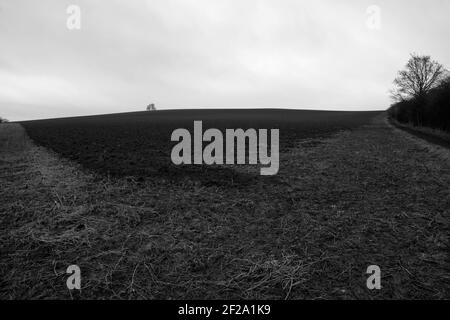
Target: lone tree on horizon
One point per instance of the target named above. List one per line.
(421, 74)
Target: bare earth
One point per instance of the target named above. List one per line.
(374, 195)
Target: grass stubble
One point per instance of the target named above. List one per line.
(339, 204)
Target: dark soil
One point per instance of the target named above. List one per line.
(138, 144)
(340, 203)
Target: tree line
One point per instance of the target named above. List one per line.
(421, 94)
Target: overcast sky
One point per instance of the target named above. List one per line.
(321, 54)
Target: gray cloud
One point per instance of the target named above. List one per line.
(208, 53)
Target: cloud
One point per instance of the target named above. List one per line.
(208, 53)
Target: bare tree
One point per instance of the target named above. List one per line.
(151, 107)
(421, 74)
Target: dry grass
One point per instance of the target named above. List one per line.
(364, 197)
(441, 136)
(430, 131)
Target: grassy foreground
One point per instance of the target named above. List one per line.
(366, 196)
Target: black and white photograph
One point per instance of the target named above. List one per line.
(225, 157)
